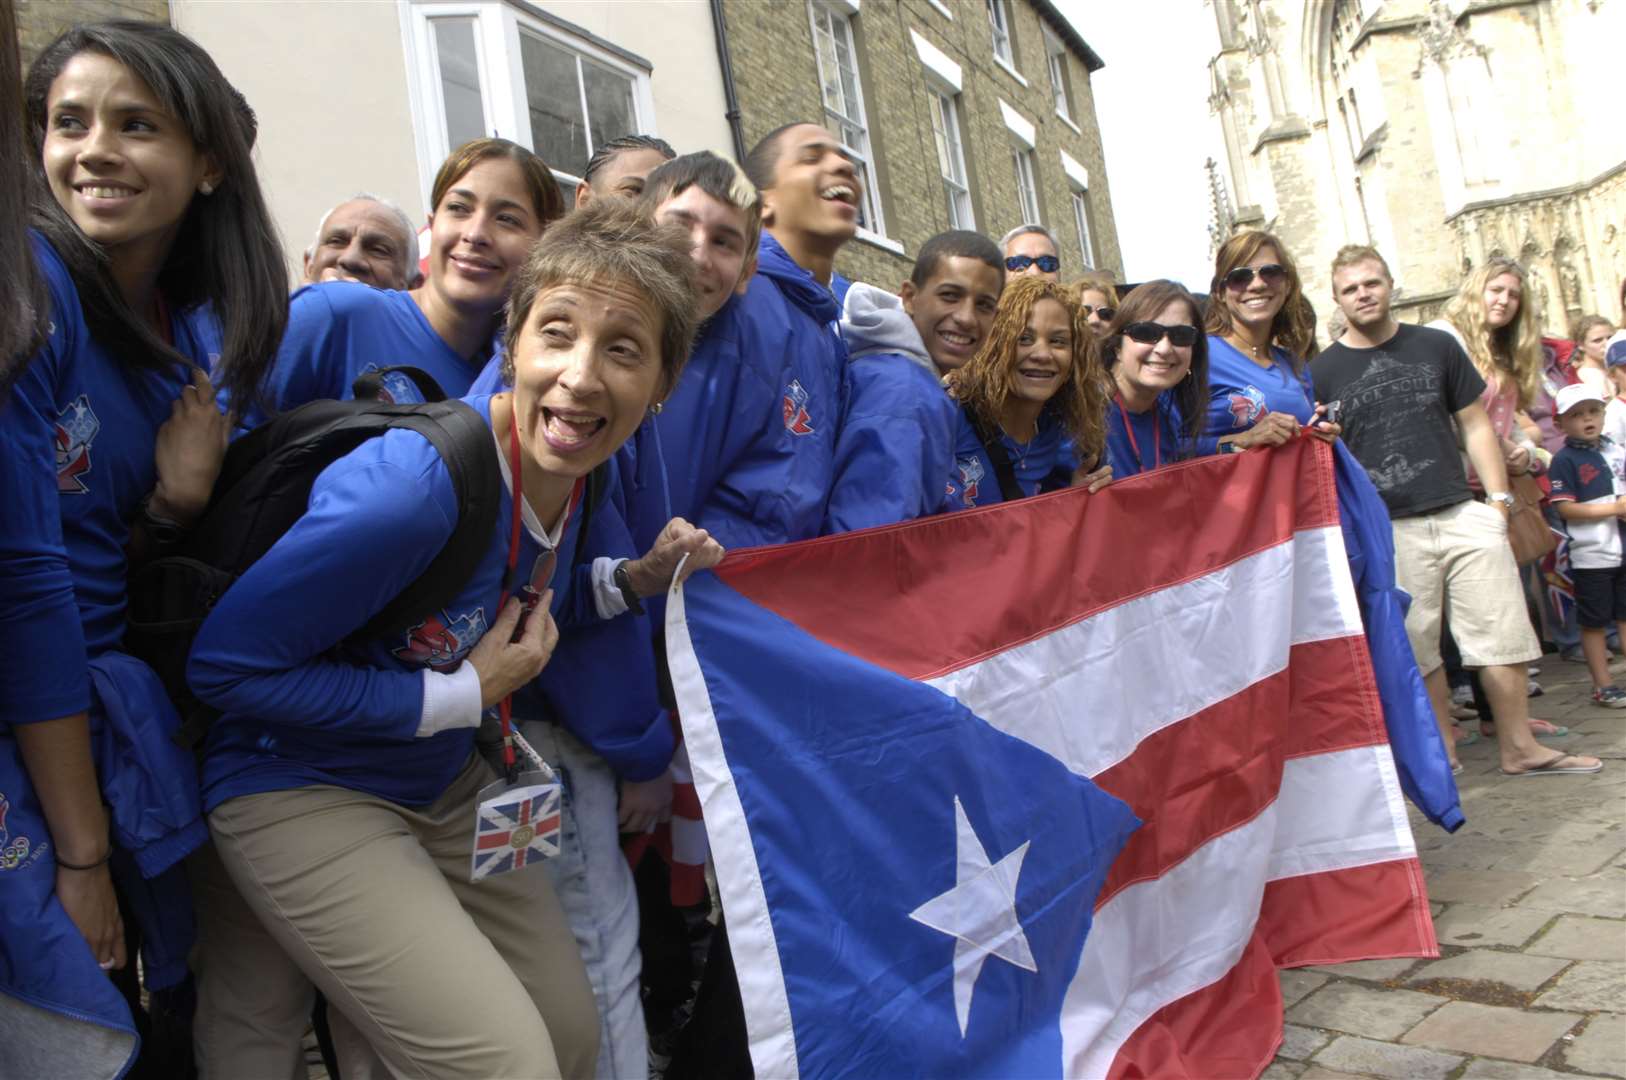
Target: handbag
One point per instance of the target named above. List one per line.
(1527, 529)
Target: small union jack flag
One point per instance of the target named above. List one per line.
(515, 829)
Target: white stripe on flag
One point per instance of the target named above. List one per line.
(739, 879)
(1222, 632)
(1159, 940)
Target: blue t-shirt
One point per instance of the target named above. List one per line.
(105, 416)
(973, 482)
(1240, 391)
(1147, 440)
(895, 447)
(338, 330)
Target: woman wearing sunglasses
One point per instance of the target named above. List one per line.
(1259, 332)
(1030, 401)
(1097, 301)
(1157, 364)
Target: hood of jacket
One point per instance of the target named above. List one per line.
(796, 283)
(873, 321)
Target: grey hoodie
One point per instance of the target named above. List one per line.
(873, 321)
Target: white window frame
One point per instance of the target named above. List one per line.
(498, 27)
(1027, 184)
(1055, 60)
(1081, 217)
(999, 25)
(944, 102)
(840, 14)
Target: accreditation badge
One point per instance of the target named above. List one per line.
(515, 824)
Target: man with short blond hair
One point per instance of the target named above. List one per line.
(1401, 387)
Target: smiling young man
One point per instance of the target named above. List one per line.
(620, 166)
(897, 433)
(1402, 389)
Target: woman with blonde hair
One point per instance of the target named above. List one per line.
(1098, 300)
(1032, 401)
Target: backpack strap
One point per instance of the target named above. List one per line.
(592, 495)
(369, 385)
(994, 447)
(464, 442)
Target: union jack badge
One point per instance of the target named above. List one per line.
(515, 826)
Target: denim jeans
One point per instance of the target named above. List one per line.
(595, 888)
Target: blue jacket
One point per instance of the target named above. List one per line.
(896, 441)
(1420, 758)
(302, 705)
(972, 481)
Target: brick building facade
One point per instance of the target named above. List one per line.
(940, 99)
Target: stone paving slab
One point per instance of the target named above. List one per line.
(1298, 984)
(1367, 1056)
(1492, 888)
(1370, 970)
(1377, 1013)
(1476, 925)
(1602, 894)
(1517, 970)
(1591, 985)
(1582, 858)
(1300, 1043)
(1492, 1069)
(1601, 1048)
(1581, 937)
(1492, 1030)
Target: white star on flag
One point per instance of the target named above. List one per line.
(979, 913)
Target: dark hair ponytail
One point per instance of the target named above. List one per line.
(226, 253)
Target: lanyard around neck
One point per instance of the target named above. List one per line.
(1129, 429)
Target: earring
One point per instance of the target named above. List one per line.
(656, 408)
(206, 188)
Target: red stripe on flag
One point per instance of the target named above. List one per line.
(1214, 771)
(896, 582)
(1362, 913)
(1228, 1028)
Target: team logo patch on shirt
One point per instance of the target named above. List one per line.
(797, 420)
(14, 853)
(970, 477)
(76, 429)
(1247, 405)
(396, 388)
(442, 643)
(1588, 473)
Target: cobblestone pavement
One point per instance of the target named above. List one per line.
(1529, 901)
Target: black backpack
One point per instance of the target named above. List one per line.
(264, 487)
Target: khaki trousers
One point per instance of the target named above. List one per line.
(439, 977)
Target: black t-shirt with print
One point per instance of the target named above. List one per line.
(1398, 400)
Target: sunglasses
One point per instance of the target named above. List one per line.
(1018, 263)
(1150, 333)
(1105, 314)
(1242, 276)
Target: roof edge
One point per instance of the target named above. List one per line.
(1070, 37)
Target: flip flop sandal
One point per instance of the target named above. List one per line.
(1555, 767)
(1456, 770)
(1541, 729)
(1467, 736)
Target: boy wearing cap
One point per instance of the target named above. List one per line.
(1588, 480)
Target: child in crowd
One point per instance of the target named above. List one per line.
(1614, 411)
(1588, 483)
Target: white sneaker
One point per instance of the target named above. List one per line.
(1462, 695)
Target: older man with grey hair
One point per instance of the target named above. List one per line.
(1030, 249)
(367, 239)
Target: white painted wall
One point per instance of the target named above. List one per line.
(328, 80)
(328, 83)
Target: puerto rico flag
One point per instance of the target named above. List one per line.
(516, 829)
(891, 733)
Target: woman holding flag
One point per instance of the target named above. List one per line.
(342, 782)
(1157, 361)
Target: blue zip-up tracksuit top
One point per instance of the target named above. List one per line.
(895, 446)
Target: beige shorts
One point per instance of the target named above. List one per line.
(1456, 562)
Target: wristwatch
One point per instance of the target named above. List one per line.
(623, 581)
(1504, 497)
